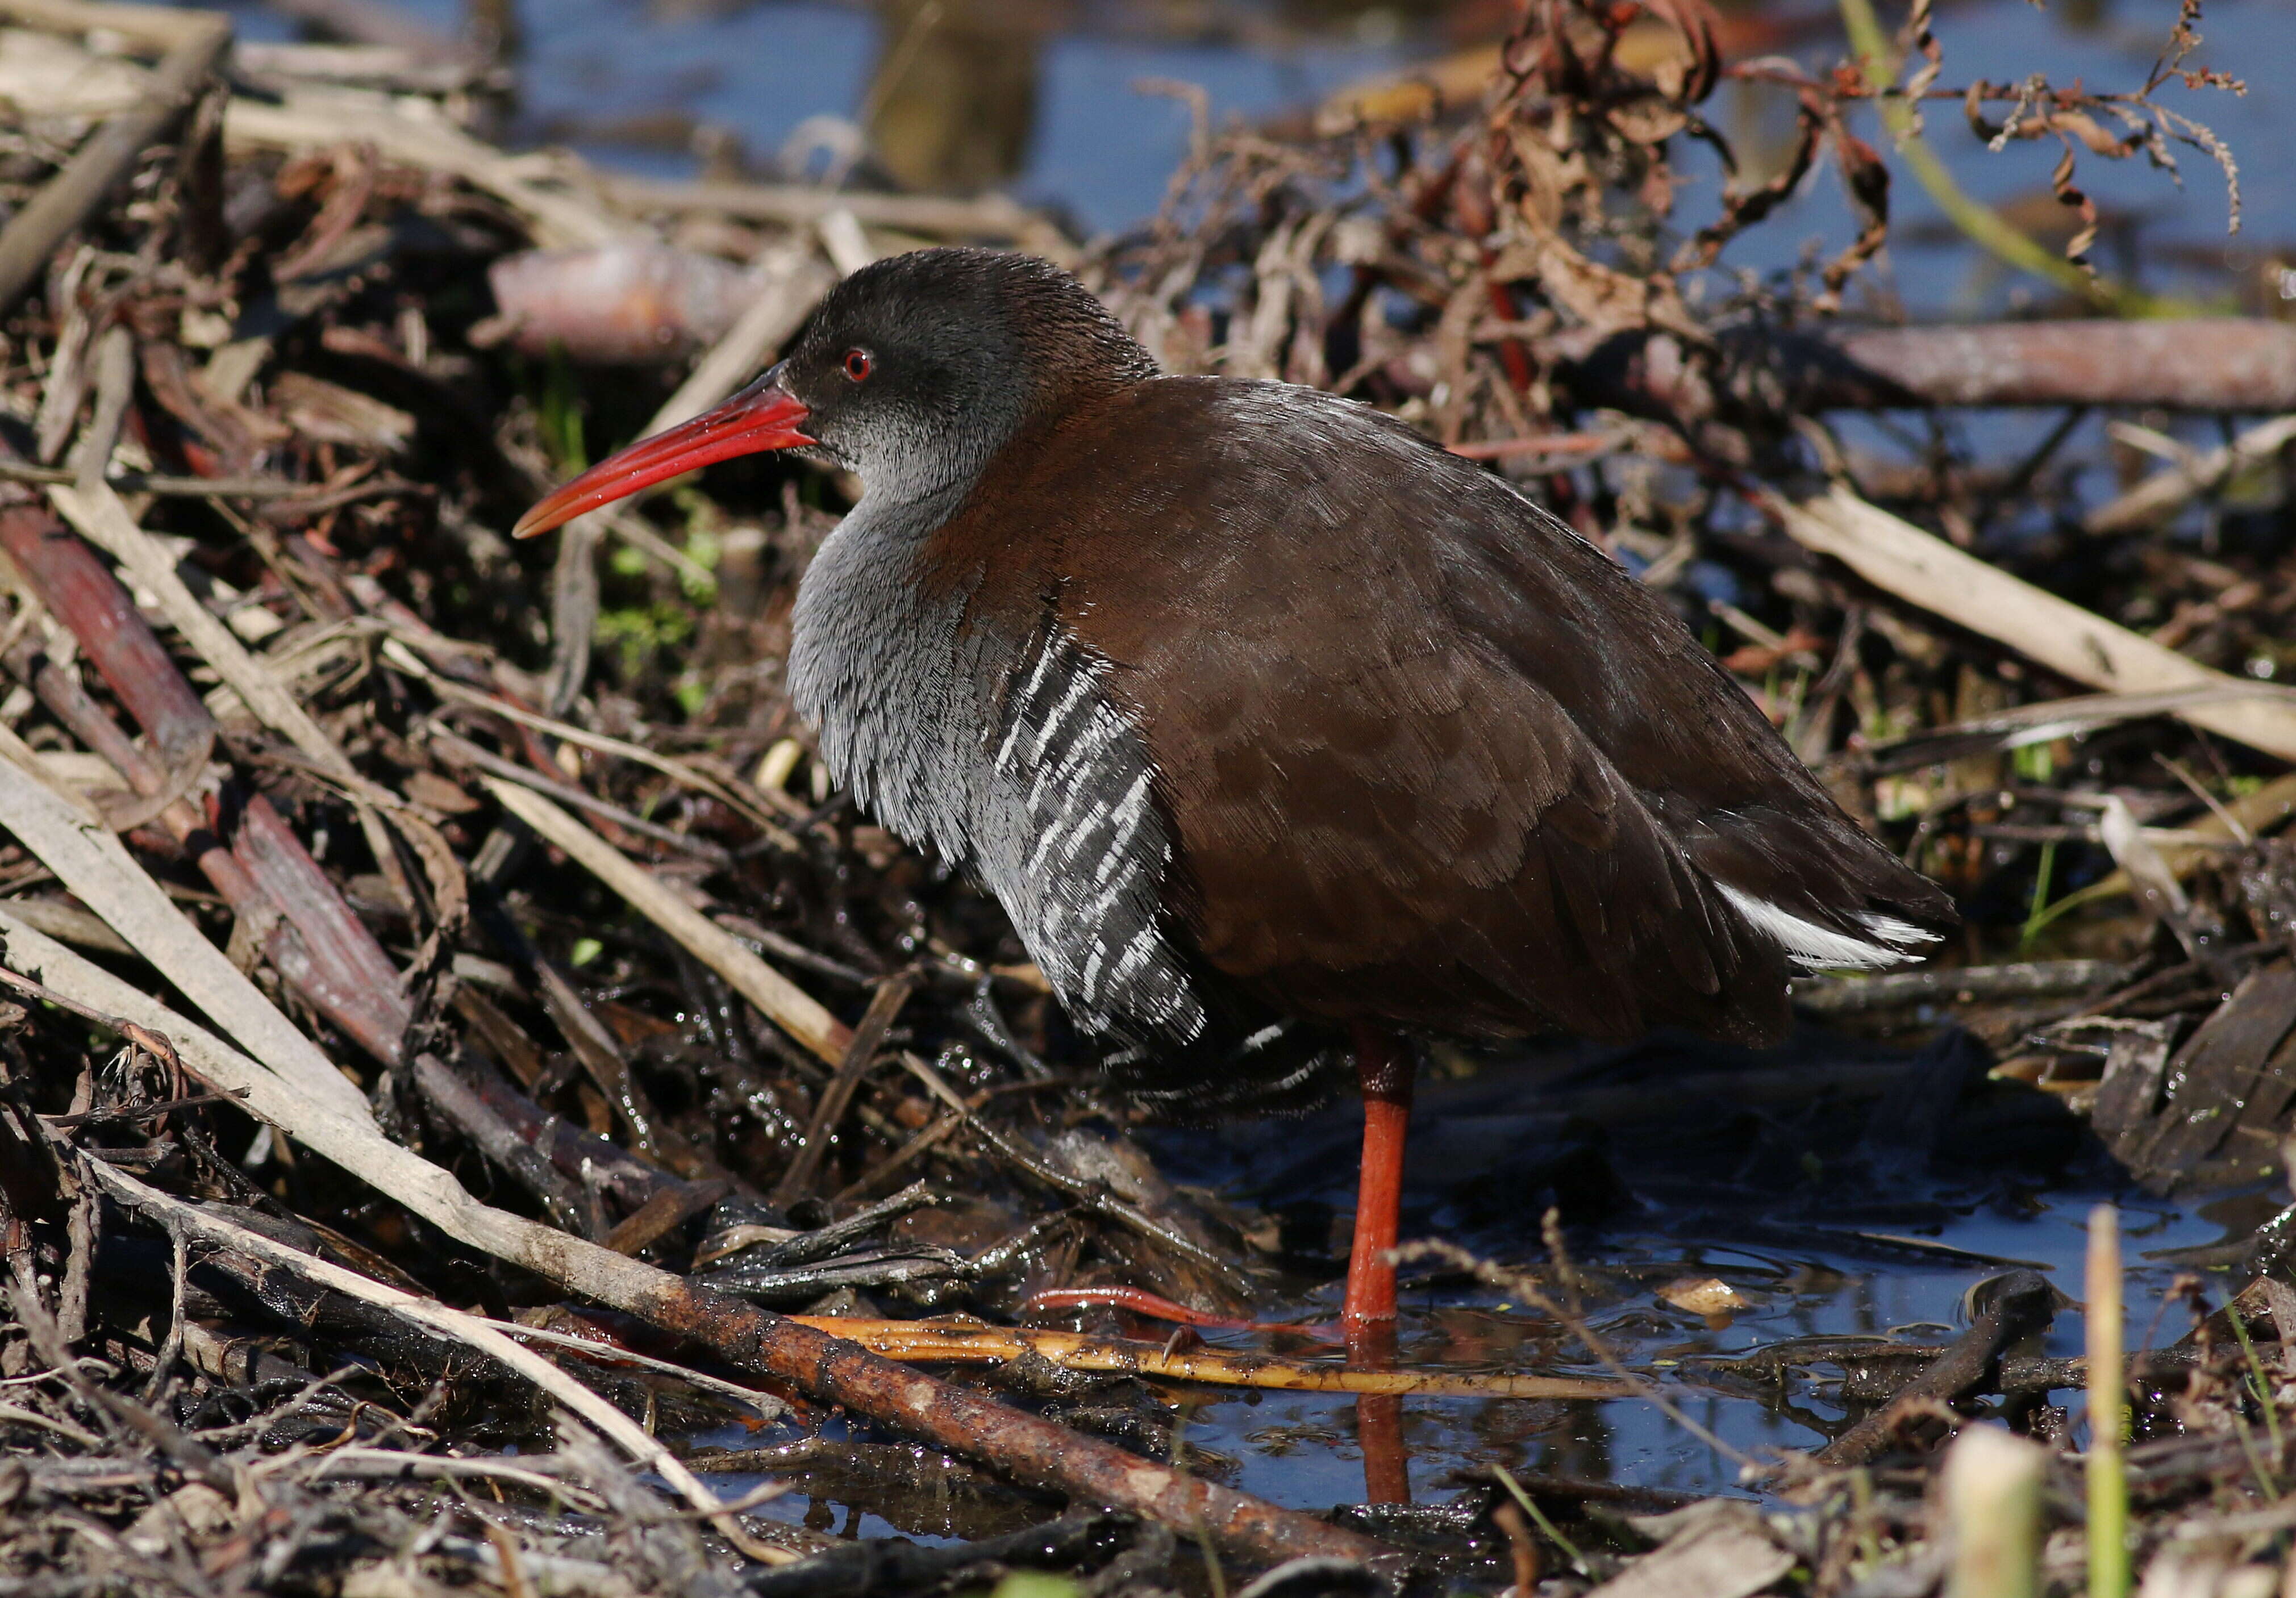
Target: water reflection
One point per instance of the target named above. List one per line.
(1832, 1247)
(952, 99)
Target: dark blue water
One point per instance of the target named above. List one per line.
(1300, 1449)
(1102, 147)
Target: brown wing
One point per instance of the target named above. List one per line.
(1429, 758)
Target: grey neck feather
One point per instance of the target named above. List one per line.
(874, 666)
(873, 661)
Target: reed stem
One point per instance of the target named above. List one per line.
(1994, 1505)
(2107, 1412)
(1993, 1501)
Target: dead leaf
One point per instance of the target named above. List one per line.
(2157, 888)
(1606, 300)
(1718, 1549)
(2068, 194)
(1696, 22)
(429, 788)
(1742, 208)
(334, 414)
(1867, 178)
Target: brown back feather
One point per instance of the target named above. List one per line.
(1432, 758)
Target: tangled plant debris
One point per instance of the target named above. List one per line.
(466, 1068)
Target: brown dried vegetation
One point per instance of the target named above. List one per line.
(292, 362)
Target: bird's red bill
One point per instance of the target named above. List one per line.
(761, 417)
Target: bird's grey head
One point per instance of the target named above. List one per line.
(917, 369)
(914, 373)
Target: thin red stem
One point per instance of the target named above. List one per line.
(1156, 1307)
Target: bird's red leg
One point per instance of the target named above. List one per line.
(1383, 1068)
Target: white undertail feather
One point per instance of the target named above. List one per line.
(1893, 942)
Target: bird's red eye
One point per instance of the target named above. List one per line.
(859, 365)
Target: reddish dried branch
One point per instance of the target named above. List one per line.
(344, 970)
(2229, 364)
(1034, 1452)
(322, 949)
(80, 591)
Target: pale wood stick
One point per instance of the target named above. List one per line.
(765, 1405)
(795, 282)
(989, 217)
(2268, 808)
(102, 517)
(396, 68)
(848, 247)
(1992, 1508)
(184, 487)
(160, 25)
(308, 116)
(96, 168)
(91, 861)
(71, 924)
(439, 1320)
(2164, 493)
(1895, 555)
(26, 759)
(788, 1006)
(1032, 1450)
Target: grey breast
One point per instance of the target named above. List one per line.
(1008, 757)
